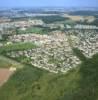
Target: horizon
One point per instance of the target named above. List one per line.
(47, 3)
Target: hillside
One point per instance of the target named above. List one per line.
(31, 83)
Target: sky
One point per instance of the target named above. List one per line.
(48, 3)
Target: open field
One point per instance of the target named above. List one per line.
(80, 18)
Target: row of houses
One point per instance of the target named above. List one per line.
(80, 26)
(55, 52)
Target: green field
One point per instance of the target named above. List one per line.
(31, 83)
(30, 30)
(7, 63)
(4, 63)
(17, 47)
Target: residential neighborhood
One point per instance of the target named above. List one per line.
(54, 51)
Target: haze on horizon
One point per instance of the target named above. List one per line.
(48, 3)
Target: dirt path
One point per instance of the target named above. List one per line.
(5, 74)
(5, 70)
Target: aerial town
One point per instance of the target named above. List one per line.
(49, 53)
(54, 40)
